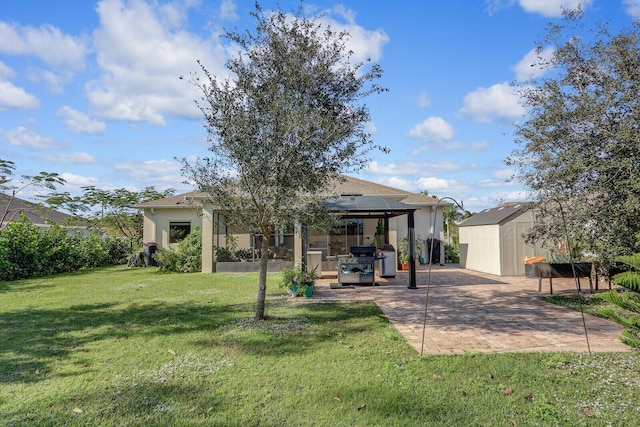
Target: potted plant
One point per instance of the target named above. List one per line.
(403, 254)
(306, 282)
(420, 249)
(298, 282)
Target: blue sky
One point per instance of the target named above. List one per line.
(91, 90)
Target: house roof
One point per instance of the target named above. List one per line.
(498, 215)
(35, 213)
(184, 200)
(349, 185)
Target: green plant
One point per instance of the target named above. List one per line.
(553, 257)
(629, 279)
(629, 316)
(403, 250)
(450, 254)
(187, 258)
(296, 281)
(419, 246)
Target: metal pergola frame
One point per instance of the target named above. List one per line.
(359, 206)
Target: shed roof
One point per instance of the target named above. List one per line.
(497, 215)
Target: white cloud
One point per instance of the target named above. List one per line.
(80, 122)
(370, 128)
(142, 51)
(228, 10)
(552, 8)
(46, 43)
(504, 174)
(14, 97)
(24, 137)
(633, 8)
(6, 71)
(423, 100)
(433, 183)
(79, 158)
(529, 66)
(365, 44)
(480, 145)
(496, 103)
(158, 173)
(63, 53)
(433, 129)
(75, 182)
(413, 168)
(395, 182)
(548, 8)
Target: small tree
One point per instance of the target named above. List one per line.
(283, 128)
(578, 149)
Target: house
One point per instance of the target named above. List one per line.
(37, 214)
(492, 241)
(168, 220)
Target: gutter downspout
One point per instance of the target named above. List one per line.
(155, 224)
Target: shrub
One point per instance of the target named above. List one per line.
(225, 255)
(117, 249)
(27, 251)
(450, 254)
(187, 258)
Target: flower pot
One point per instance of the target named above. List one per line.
(308, 292)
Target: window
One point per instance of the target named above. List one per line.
(178, 231)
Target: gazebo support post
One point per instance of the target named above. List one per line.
(412, 254)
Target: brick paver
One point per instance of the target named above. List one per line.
(474, 312)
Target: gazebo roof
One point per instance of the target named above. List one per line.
(358, 205)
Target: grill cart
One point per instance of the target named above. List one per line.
(359, 268)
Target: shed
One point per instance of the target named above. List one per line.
(492, 241)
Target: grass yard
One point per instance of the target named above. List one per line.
(121, 347)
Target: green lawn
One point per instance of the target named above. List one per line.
(138, 347)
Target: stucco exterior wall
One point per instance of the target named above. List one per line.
(156, 223)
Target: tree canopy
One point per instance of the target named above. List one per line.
(49, 180)
(289, 121)
(578, 149)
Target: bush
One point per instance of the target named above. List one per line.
(27, 251)
(187, 258)
(117, 249)
(450, 254)
(225, 255)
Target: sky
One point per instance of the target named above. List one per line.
(92, 90)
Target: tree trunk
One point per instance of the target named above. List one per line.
(262, 278)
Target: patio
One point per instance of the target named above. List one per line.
(476, 312)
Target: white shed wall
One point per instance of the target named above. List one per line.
(480, 248)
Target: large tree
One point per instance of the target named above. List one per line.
(579, 147)
(288, 121)
(112, 210)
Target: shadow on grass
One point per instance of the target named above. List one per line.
(299, 332)
(32, 340)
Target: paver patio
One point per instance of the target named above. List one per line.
(475, 312)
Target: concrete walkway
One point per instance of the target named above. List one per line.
(475, 312)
